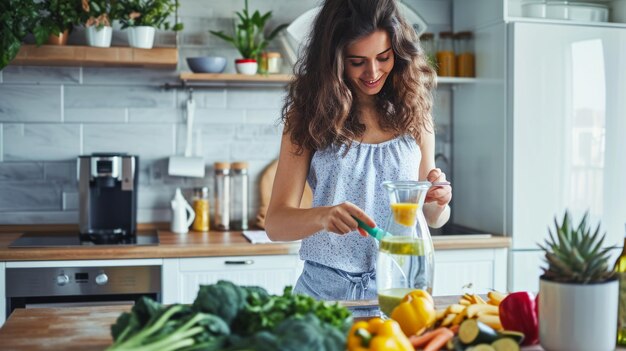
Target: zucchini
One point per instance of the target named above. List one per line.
(505, 344)
(481, 347)
(455, 344)
(474, 332)
(515, 335)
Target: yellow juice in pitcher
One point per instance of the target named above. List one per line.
(405, 213)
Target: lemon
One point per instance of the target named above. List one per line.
(405, 213)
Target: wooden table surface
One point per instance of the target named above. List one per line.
(88, 328)
(192, 244)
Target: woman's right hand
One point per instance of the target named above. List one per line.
(339, 219)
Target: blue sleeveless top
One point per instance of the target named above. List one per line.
(356, 176)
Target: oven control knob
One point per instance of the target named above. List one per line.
(102, 279)
(62, 279)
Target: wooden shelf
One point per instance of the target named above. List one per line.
(455, 80)
(235, 78)
(53, 55)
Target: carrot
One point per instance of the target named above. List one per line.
(455, 328)
(439, 341)
(421, 340)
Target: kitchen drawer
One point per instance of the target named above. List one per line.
(183, 277)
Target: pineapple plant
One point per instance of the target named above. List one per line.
(575, 255)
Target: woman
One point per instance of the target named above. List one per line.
(357, 113)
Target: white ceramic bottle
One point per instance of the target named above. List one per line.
(182, 214)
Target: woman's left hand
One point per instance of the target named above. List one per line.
(441, 194)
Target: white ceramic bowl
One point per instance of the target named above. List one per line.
(577, 11)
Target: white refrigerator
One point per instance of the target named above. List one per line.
(543, 130)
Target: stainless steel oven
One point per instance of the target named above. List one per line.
(80, 286)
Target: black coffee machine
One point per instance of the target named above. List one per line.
(108, 195)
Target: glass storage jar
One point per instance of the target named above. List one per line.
(465, 59)
(222, 196)
(446, 65)
(201, 209)
(239, 198)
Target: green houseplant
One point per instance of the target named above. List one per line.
(59, 19)
(18, 18)
(577, 282)
(143, 17)
(249, 37)
(97, 16)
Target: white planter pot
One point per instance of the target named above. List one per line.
(577, 317)
(99, 37)
(246, 66)
(141, 37)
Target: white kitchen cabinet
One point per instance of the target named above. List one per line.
(183, 277)
(484, 269)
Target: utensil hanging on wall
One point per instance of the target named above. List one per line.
(187, 165)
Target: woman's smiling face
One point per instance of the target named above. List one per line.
(368, 62)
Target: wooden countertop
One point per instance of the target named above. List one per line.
(193, 244)
(81, 328)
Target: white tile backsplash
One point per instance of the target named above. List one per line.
(255, 98)
(41, 75)
(30, 103)
(35, 196)
(117, 96)
(155, 115)
(21, 171)
(148, 141)
(41, 142)
(95, 115)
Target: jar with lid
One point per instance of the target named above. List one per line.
(201, 209)
(464, 48)
(222, 196)
(427, 41)
(239, 196)
(274, 61)
(446, 65)
(263, 63)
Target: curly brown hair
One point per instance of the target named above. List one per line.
(319, 109)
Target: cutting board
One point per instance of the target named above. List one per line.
(266, 183)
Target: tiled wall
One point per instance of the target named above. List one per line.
(50, 115)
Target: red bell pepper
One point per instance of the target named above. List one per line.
(518, 312)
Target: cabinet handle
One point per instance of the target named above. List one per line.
(246, 262)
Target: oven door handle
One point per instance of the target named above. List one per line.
(242, 262)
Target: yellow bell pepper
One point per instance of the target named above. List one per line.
(415, 313)
(377, 335)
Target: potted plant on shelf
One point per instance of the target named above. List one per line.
(59, 18)
(578, 291)
(97, 16)
(144, 17)
(18, 18)
(249, 38)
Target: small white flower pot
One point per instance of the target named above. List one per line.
(99, 37)
(246, 66)
(578, 317)
(141, 37)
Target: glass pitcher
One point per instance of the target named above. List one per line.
(406, 257)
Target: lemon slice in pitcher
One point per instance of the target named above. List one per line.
(405, 213)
